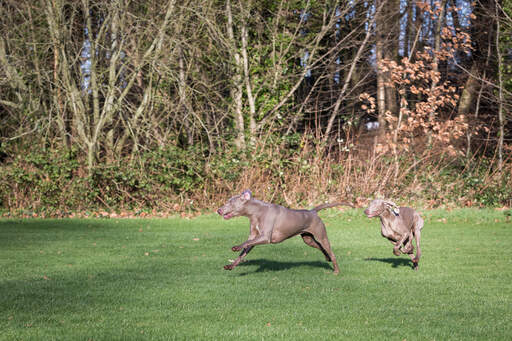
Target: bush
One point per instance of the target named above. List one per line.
(290, 171)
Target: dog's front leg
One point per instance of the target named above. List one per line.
(254, 232)
(396, 248)
(239, 259)
(407, 248)
(261, 239)
(261, 233)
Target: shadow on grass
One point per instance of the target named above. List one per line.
(80, 292)
(38, 232)
(271, 265)
(395, 262)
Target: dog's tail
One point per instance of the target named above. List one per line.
(327, 205)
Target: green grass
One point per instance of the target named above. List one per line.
(162, 279)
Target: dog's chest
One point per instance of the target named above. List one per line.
(390, 229)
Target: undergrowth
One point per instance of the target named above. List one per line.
(289, 171)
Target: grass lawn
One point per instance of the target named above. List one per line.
(162, 279)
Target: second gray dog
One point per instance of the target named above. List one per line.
(271, 224)
(399, 225)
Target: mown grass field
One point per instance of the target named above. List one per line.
(162, 279)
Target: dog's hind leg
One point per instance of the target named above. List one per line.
(319, 234)
(309, 240)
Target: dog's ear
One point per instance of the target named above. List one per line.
(246, 195)
(392, 207)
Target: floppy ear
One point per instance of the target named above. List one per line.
(392, 207)
(246, 195)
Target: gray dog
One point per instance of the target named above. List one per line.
(399, 225)
(272, 224)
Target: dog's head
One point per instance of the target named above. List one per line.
(235, 205)
(378, 206)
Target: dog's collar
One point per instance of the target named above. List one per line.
(394, 209)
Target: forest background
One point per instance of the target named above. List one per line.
(158, 107)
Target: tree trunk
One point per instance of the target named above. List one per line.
(183, 105)
(435, 63)
(237, 85)
(501, 117)
(247, 81)
(391, 52)
(379, 55)
(467, 99)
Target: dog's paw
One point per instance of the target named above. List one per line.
(407, 249)
(236, 248)
(228, 267)
(396, 252)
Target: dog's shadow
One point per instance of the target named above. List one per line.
(272, 265)
(395, 262)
